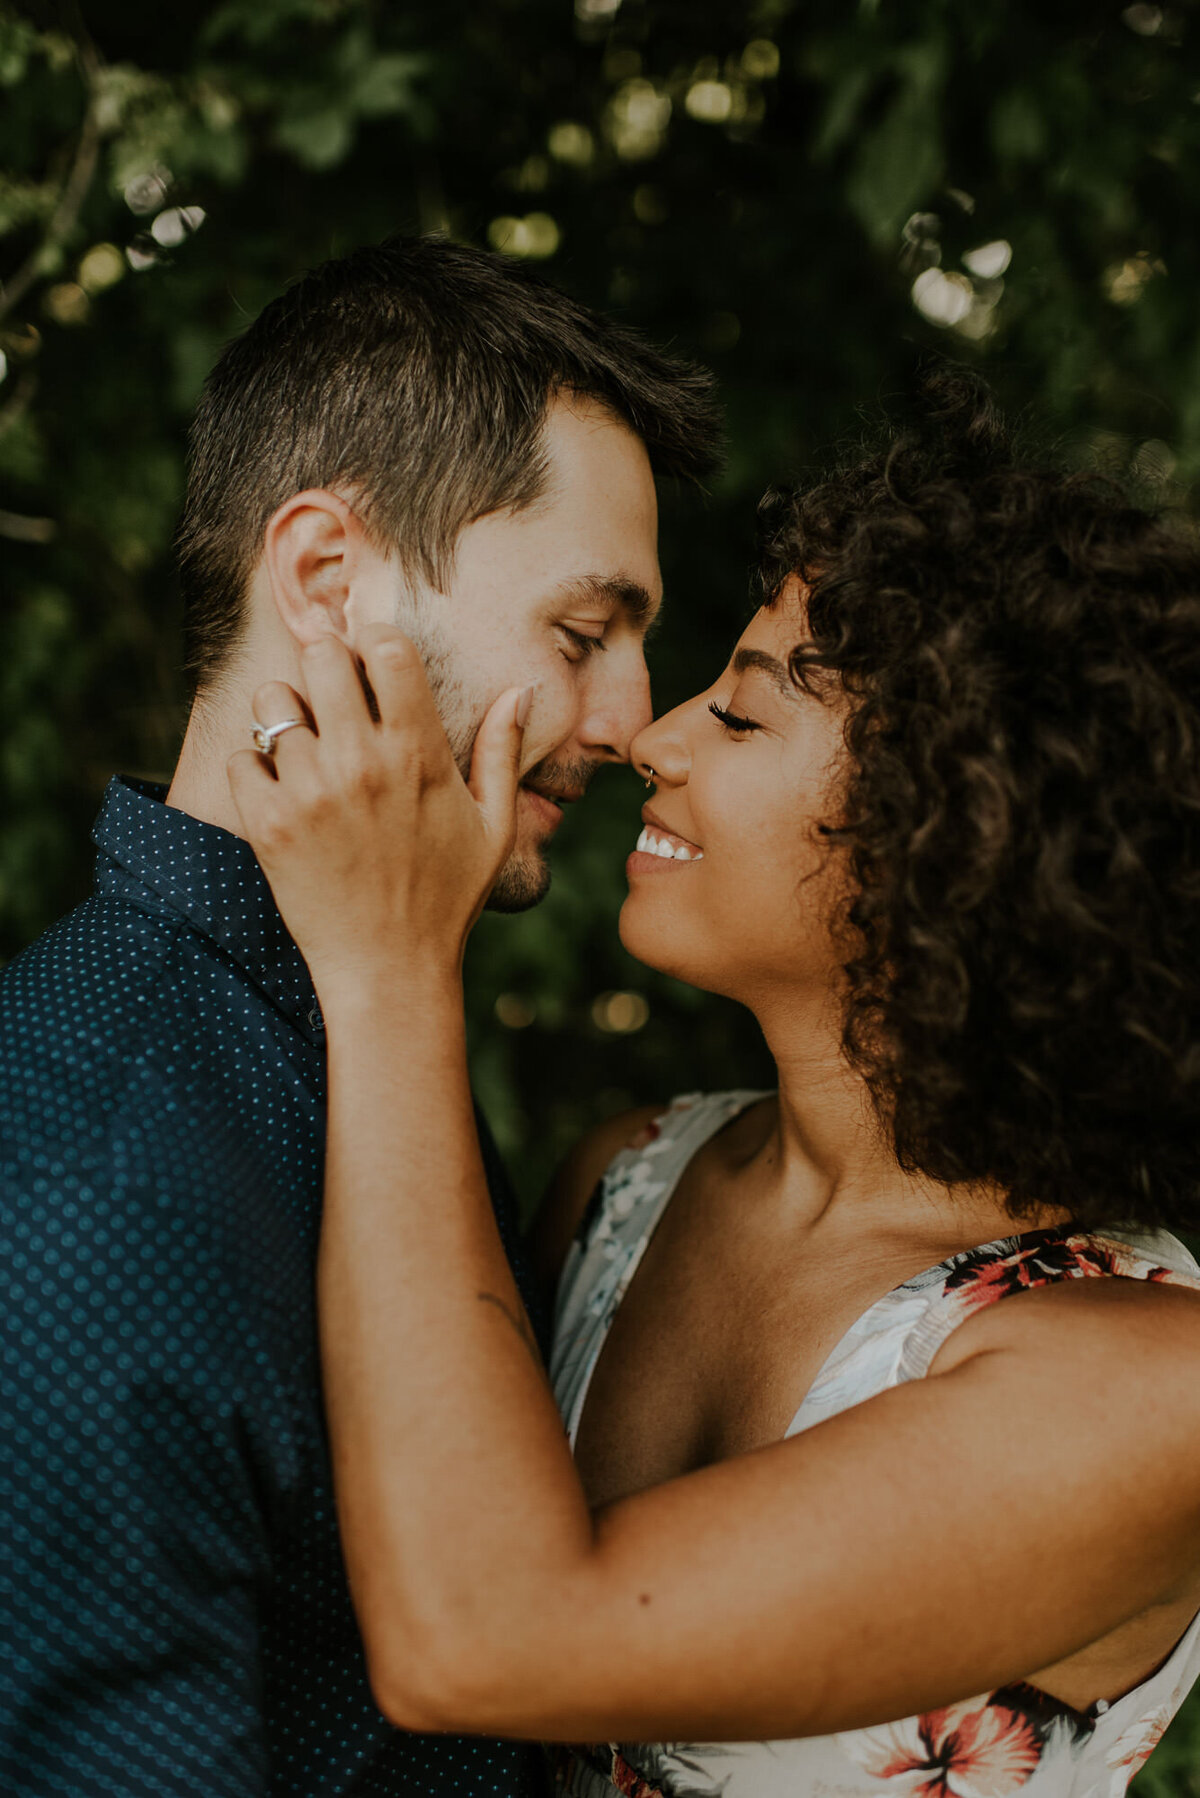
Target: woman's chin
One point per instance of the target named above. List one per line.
(654, 942)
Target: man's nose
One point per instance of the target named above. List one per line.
(618, 707)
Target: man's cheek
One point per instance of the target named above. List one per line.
(539, 746)
(553, 721)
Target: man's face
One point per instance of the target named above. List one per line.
(557, 597)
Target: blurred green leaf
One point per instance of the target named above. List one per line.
(317, 138)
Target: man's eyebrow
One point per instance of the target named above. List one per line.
(744, 660)
(639, 605)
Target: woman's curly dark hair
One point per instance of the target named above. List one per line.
(1021, 646)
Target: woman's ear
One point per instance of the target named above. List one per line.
(310, 553)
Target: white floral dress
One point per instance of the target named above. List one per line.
(1016, 1740)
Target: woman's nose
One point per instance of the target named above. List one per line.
(660, 752)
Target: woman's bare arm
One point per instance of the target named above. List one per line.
(941, 1540)
(950, 1536)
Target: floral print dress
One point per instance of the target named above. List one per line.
(1016, 1740)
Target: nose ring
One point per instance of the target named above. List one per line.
(652, 776)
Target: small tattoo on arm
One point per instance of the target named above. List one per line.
(520, 1323)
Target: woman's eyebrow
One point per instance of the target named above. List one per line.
(746, 660)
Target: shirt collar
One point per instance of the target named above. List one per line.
(213, 879)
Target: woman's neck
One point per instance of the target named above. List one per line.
(829, 1161)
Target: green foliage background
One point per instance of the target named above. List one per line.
(787, 190)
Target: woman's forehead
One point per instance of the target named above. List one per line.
(777, 628)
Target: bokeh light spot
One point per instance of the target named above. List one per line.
(536, 235)
(146, 192)
(100, 267)
(170, 228)
(943, 299)
(620, 1014)
(1125, 282)
(760, 59)
(67, 304)
(571, 143)
(637, 119)
(515, 1011)
(709, 101)
(989, 260)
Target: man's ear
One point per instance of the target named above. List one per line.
(311, 552)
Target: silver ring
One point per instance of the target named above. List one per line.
(653, 776)
(266, 735)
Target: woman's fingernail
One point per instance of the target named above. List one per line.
(523, 705)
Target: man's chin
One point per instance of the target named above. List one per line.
(522, 882)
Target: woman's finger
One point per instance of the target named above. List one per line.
(335, 693)
(397, 677)
(496, 762)
(277, 705)
(276, 700)
(252, 781)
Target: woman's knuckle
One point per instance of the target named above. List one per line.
(396, 655)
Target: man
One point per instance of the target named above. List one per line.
(418, 433)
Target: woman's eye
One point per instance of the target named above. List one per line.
(581, 642)
(731, 722)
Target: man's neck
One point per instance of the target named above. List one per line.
(221, 720)
(200, 785)
(220, 724)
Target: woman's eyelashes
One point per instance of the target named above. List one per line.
(731, 722)
(582, 644)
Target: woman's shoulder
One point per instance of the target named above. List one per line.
(1121, 1296)
(558, 1219)
(561, 1211)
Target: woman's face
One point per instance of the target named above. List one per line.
(744, 903)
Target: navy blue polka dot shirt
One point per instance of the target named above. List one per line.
(174, 1617)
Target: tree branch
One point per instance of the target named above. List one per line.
(18, 402)
(21, 529)
(75, 190)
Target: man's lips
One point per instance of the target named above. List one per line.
(548, 802)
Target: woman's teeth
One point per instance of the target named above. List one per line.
(649, 844)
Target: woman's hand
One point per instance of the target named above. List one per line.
(379, 854)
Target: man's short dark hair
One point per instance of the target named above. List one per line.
(418, 373)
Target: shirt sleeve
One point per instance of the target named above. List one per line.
(144, 1441)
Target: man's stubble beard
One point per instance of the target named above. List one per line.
(524, 879)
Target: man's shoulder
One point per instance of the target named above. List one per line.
(119, 1130)
(87, 991)
(117, 1045)
(106, 945)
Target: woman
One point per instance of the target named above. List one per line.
(938, 824)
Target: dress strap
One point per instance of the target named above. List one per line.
(625, 1209)
(980, 1277)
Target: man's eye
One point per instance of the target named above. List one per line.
(581, 642)
(731, 722)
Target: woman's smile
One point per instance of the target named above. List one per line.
(659, 848)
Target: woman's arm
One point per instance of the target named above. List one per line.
(946, 1538)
